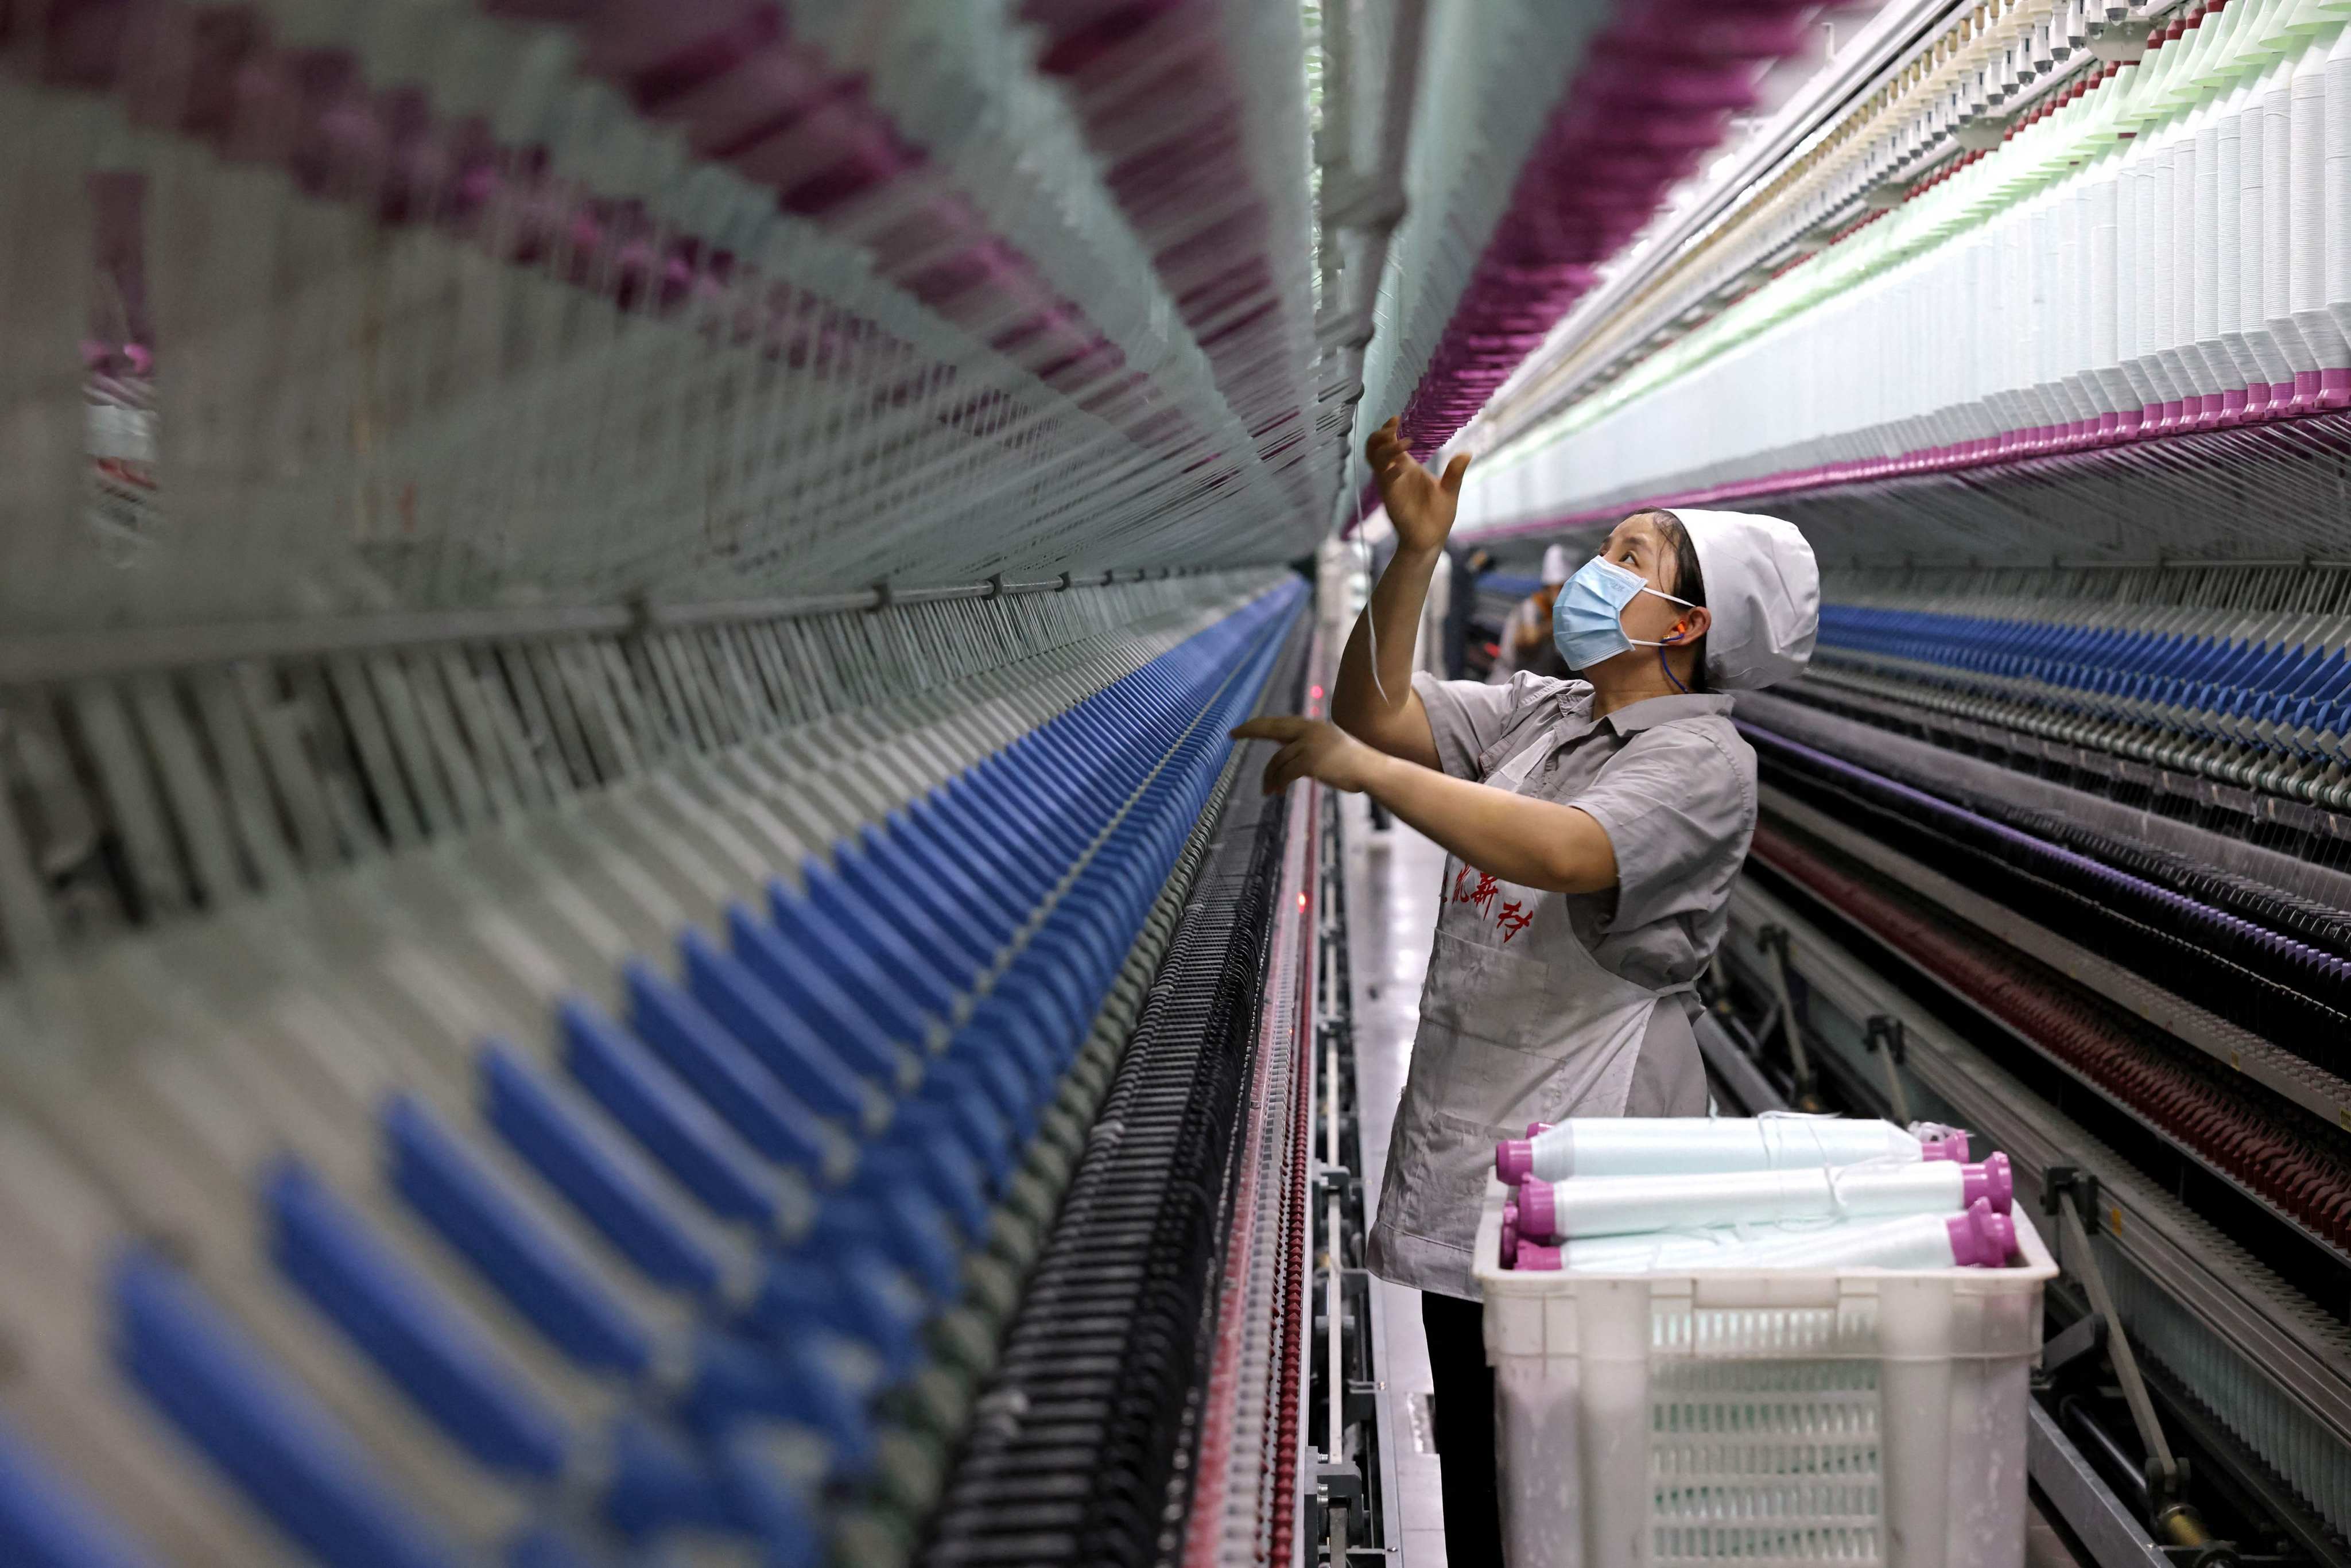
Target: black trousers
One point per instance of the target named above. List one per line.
(1463, 1413)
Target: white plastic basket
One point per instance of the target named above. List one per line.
(1872, 1416)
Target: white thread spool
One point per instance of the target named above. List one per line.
(2014, 316)
(2277, 224)
(1988, 347)
(1615, 1206)
(1678, 1146)
(2071, 304)
(2338, 170)
(2048, 320)
(2253, 236)
(2167, 181)
(2011, 256)
(2191, 198)
(2114, 390)
(2228, 283)
(2310, 214)
(2082, 304)
(2133, 271)
(2219, 370)
(1906, 1241)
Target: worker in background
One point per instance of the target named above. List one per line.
(1594, 827)
(1527, 643)
(1469, 566)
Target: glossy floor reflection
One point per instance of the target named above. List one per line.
(1392, 879)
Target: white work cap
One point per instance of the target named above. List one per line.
(1763, 591)
(1555, 568)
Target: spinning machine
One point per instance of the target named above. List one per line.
(2036, 326)
(627, 934)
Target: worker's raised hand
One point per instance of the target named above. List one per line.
(1312, 749)
(1420, 504)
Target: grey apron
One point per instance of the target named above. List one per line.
(1519, 1023)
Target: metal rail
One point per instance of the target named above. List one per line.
(2104, 1525)
(81, 655)
(1738, 1071)
(1888, 725)
(2288, 1345)
(2236, 1048)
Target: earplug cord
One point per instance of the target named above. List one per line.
(1666, 665)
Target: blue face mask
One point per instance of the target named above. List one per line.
(1587, 620)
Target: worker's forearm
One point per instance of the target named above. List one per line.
(1536, 843)
(1357, 704)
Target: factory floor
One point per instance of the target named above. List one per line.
(1394, 875)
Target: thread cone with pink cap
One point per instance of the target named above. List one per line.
(1605, 1205)
(1665, 1145)
(1976, 1237)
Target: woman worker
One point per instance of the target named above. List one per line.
(1593, 828)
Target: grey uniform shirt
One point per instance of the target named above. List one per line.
(1672, 783)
